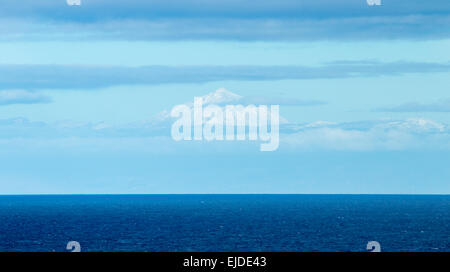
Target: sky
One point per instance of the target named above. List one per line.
(363, 91)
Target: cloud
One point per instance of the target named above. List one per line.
(286, 20)
(376, 135)
(91, 77)
(284, 101)
(440, 106)
(223, 96)
(410, 125)
(9, 97)
(154, 133)
(415, 27)
(151, 135)
(99, 10)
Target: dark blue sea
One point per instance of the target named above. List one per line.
(225, 222)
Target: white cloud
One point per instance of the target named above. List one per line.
(379, 135)
(371, 135)
(413, 125)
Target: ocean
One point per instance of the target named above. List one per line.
(257, 223)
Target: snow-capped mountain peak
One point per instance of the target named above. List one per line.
(221, 96)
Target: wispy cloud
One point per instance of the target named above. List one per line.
(439, 106)
(223, 96)
(284, 101)
(91, 77)
(415, 27)
(9, 97)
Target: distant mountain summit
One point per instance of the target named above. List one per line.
(221, 96)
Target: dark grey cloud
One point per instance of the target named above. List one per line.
(100, 10)
(439, 106)
(32, 77)
(287, 20)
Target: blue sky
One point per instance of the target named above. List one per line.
(364, 90)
